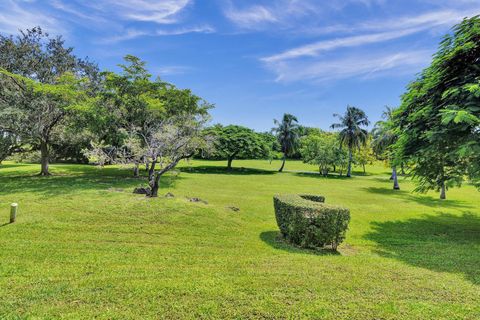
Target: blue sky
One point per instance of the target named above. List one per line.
(256, 60)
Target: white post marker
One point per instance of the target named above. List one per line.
(13, 212)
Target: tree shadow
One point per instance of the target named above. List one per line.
(225, 170)
(316, 175)
(275, 240)
(73, 179)
(12, 165)
(441, 243)
(420, 199)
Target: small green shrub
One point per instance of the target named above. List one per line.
(306, 221)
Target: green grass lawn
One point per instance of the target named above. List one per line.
(85, 247)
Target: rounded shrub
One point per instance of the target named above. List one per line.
(305, 220)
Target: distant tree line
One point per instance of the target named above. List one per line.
(61, 107)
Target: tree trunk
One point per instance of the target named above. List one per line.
(135, 170)
(147, 166)
(364, 171)
(395, 180)
(155, 186)
(229, 163)
(151, 171)
(283, 163)
(402, 168)
(443, 195)
(350, 157)
(44, 158)
(334, 168)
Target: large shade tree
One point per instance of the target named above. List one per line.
(438, 121)
(233, 141)
(32, 112)
(352, 133)
(287, 131)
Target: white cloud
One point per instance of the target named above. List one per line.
(354, 65)
(185, 30)
(158, 11)
(250, 17)
(172, 70)
(280, 13)
(315, 48)
(13, 18)
(319, 60)
(130, 34)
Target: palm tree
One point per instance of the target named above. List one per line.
(352, 134)
(384, 137)
(287, 135)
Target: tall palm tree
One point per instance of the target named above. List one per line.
(287, 134)
(384, 137)
(352, 134)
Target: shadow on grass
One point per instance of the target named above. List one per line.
(275, 240)
(225, 170)
(317, 175)
(74, 179)
(441, 243)
(420, 199)
(12, 165)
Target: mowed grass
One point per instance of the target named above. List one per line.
(85, 247)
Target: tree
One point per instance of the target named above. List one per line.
(364, 155)
(236, 141)
(164, 144)
(29, 111)
(132, 102)
(168, 143)
(320, 150)
(384, 139)
(438, 121)
(352, 134)
(8, 144)
(288, 136)
(33, 110)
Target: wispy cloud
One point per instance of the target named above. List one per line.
(427, 20)
(172, 70)
(161, 12)
(352, 66)
(251, 16)
(314, 49)
(280, 13)
(337, 58)
(14, 17)
(185, 30)
(130, 34)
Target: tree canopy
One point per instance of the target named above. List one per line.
(237, 142)
(438, 122)
(352, 134)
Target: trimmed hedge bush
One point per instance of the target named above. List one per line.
(305, 220)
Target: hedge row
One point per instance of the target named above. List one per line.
(305, 220)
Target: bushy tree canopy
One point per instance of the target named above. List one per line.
(438, 122)
(237, 142)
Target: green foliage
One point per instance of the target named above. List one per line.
(130, 101)
(321, 150)
(352, 134)
(306, 221)
(42, 83)
(287, 131)
(233, 141)
(438, 120)
(8, 144)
